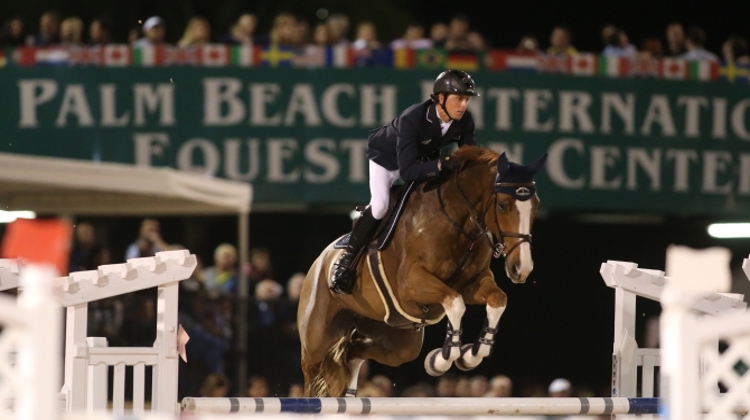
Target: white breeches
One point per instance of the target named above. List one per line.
(381, 181)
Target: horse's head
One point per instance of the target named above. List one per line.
(515, 205)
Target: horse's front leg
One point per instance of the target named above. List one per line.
(426, 289)
(486, 291)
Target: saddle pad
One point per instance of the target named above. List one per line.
(395, 316)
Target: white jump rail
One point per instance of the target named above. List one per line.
(629, 281)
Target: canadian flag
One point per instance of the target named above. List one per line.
(583, 64)
(674, 68)
(116, 55)
(215, 55)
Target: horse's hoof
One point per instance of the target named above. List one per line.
(429, 363)
(460, 364)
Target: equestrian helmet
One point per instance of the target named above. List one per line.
(454, 81)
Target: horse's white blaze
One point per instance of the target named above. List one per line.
(524, 227)
(354, 366)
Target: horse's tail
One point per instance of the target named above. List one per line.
(333, 372)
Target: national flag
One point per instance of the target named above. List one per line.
(404, 58)
(465, 62)
(512, 61)
(310, 56)
(674, 69)
(641, 67)
(704, 70)
(2, 59)
(215, 55)
(431, 58)
(116, 55)
(85, 56)
(376, 57)
(147, 55)
(244, 55)
(276, 56)
(731, 72)
(611, 66)
(583, 64)
(32, 56)
(340, 56)
(555, 64)
(176, 56)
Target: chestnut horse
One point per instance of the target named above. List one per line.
(437, 261)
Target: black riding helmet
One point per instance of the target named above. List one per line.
(453, 81)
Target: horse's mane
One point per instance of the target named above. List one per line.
(473, 155)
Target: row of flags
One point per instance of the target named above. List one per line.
(220, 55)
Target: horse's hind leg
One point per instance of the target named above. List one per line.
(486, 291)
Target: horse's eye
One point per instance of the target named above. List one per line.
(502, 206)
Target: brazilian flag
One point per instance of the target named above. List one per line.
(431, 59)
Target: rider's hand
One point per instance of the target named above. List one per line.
(448, 163)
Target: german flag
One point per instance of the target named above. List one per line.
(463, 61)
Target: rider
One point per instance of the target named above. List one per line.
(409, 148)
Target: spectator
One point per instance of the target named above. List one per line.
(154, 32)
(528, 44)
(384, 384)
(84, 246)
(463, 387)
(296, 390)
(652, 47)
(478, 386)
(149, 241)
(339, 25)
(500, 386)
(282, 32)
(12, 33)
(264, 339)
(257, 387)
(419, 390)
(322, 35)
(71, 31)
(560, 387)
(100, 31)
(222, 277)
(242, 31)
(197, 33)
(446, 385)
(49, 29)
(413, 38)
(675, 39)
(134, 34)
(439, 35)
(694, 43)
(476, 42)
(616, 43)
(216, 385)
(561, 42)
(259, 267)
(458, 34)
(367, 37)
(735, 50)
(301, 32)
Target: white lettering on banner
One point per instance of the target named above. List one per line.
(30, 100)
(303, 102)
(692, 113)
(329, 104)
(503, 107)
(232, 159)
(682, 160)
(208, 152)
(659, 113)
(357, 158)
(744, 184)
(534, 101)
(714, 164)
(556, 167)
(262, 94)
(575, 106)
(280, 150)
(319, 153)
(148, 145)
(514, 153)
(738, 119)
(109, 107)
(719, 130)
(625, 109)
(218, 92)
(604, 158)
(370, 98)
(476, 107)
(74, 102)
(146, 99)
(650, 164)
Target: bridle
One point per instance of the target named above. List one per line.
(497, 244)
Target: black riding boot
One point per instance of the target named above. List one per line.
(344, 274)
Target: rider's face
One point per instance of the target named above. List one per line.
(456, 105)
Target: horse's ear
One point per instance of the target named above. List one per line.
(536, 166)
(502, 165)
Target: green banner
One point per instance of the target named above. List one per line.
(300, 136)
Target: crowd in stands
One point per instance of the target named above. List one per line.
(293, 31)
